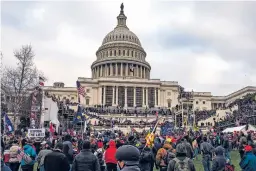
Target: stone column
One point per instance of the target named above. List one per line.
(99, 96)
(101, 72)
(117, 95)
(144, 72)
(137, 70)
(159, 96)
(126, 70)
(116, 70)
(121, 69)
(134, 97)
(111, 69)
(141, 71)
(125, 97)
(113, 96)
(147, 96)
(106, 69)
(155, 98)
(143, 96)
(104, 95)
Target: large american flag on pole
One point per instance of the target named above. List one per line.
(80, 89)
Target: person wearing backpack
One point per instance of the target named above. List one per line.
(181, 162)
(146, 159)
(219, 162)
(100, 155)
(161, 156)
(28, 159)
(206, 149)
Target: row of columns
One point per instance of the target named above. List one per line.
(108, 70)
(144, 96)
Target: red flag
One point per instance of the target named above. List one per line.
(51, 128)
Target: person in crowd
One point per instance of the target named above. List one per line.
(56, 160)
(226, 147)
(206, 149)
(242, 143)
(188, 148)
(100, 155)
(14, 161)
(162, 155)
(30, 152)
(128, 158)
(219, 160)
(4, 167)
(146, 156)
(110, 156)
(181, 162)
(41, 156)
(86, 160)
(248, 162)
(195, 148)
(68, 148)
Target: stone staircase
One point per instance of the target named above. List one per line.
(219, 114)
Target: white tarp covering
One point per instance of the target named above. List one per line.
(240, 128)
(51, 112)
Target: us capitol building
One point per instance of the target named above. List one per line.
(121, 77)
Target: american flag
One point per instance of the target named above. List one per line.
(80, 89)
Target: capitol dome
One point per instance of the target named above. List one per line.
(121, 54)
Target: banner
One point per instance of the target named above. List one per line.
(35, 133)
(167, 128)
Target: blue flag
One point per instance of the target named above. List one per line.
(78, 116)
(8, 124)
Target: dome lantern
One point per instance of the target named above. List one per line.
(121, 18)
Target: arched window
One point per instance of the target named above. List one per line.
(115, 53)
(119, 52)
(128, 53)
(123, 37)
(123, 52)
(110, 52)
(130, 37)
(120, 36)
(110, 37)
(116, 37)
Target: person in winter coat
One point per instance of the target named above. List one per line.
(41, 156)
(56, 160)
(206, 149)
(161, 154)
(100, 155)
(86, 160)
(219, 161)
(4, 167)
(68, 148)
(181, 161)
(128, 158)
(146, 156)
(14, 161)
(189, 148)
(110, 158)
(28, 150)
(248, 162)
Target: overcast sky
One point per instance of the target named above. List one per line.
(205, 46)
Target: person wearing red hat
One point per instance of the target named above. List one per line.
(248, 162)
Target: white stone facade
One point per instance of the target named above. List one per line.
(121, 76)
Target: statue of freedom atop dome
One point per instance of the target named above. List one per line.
(122, 7)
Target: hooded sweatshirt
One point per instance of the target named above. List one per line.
(111, 153)
(219, 161)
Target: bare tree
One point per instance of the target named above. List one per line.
(20, 80)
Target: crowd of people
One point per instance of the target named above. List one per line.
(246, 113)
(115, 151)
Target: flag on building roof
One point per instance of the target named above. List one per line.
(8, 123)
(80, 89)
(41, 81)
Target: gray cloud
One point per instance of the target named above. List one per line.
(206, 46)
